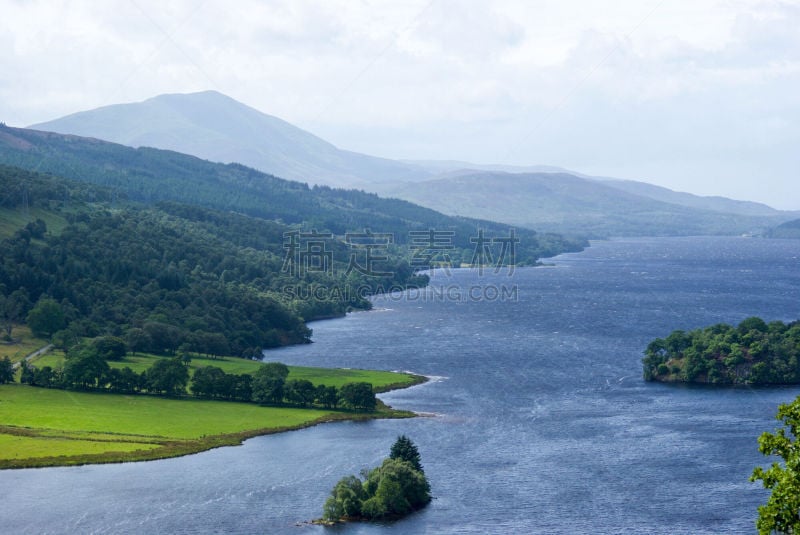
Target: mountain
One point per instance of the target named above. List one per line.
(790, 229)
(215, 127)
(446, 167)
(713, 203)
(149, 176)
(583, 206)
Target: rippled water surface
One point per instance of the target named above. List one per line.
(542, 423)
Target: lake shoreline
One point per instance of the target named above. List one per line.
(166, 448)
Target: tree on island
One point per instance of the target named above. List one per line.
(405, 450)
(346, 499)
(781, 513)
(396, 488)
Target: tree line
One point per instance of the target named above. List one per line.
(86, 367)
(754, 352)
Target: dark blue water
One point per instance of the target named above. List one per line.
(542, 422)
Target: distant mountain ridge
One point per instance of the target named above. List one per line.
(714, 203)
(576, 205)
(788, 230)
(450, 168)
(215, 127)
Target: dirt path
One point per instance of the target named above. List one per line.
(40, 351)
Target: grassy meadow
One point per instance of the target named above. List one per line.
(13, 219)
(50, 427)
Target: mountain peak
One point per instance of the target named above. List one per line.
(213, 126)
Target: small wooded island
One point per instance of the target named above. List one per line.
(394, 489)
(754, 352)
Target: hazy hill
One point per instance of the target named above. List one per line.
(790, 229)
(577, 205)
(215, 127)
(714, 203)
(453, 168)
(443, 167)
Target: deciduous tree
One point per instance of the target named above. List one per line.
(268, 385)
(169, 376)
(46, 317)
(359, 396)
(6, 371)
(781, 513)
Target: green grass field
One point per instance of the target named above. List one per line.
(43, 427)
(49, 427)
(11, 220)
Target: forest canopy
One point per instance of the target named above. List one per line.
(754, 352)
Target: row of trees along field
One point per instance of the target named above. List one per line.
(86, 367)
(754, 352)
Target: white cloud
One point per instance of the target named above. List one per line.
(599, 86)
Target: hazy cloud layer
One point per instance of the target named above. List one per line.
(698, 95)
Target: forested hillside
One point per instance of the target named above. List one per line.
(149, 175)
(163, 276)
(173, 252)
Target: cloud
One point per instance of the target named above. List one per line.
(577, 84)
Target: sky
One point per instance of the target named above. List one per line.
(695, 95)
